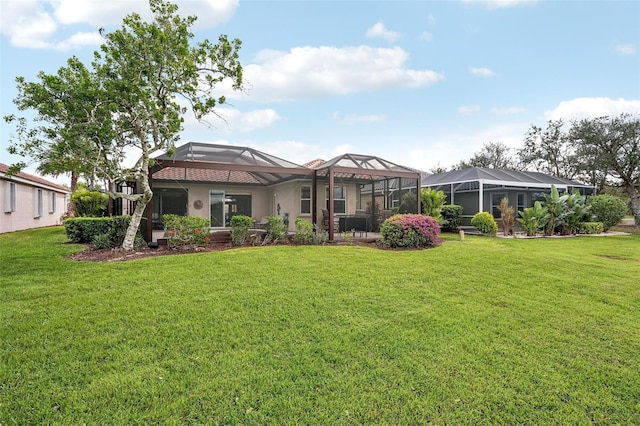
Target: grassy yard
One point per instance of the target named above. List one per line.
(483, 331)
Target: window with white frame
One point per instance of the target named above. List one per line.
(52, 202)
(339, 199)
(10, 197)
(37, 203)
(305, 199)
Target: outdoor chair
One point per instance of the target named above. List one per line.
(325, 219)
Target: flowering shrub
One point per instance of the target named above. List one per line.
(186, 230)
(410, 230)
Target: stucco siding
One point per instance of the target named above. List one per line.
(30, 208)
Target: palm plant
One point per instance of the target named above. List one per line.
(533, 218)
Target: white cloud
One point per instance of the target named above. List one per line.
(230, 120)
(494, 4)
(508, 110)
(625, 49)
(481, 71)
(378, 30)
(80, 40)
(427, 36)
(431, 19)
(312, 72)
(37, 23)
(26, 23)
(593, 107)
(358, 119)
(468, 109)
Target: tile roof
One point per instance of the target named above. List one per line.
(33, 178)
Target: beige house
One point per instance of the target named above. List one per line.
(30, 201)
(220, 181)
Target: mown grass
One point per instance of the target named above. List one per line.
(483, 331)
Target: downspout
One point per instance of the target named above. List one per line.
(418, 194)
(314, 198)
(452, 196)
(331, 203)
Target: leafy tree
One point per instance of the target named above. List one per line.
(549, 151)
(70, 120)
(493, 155)
(146, 68)
(612, 146)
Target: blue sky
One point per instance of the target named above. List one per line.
(419, 83)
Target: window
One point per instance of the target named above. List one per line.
(305, 199)
(339, 199)
(52, 202)
(495, 203)
(37, 202)
(521, 205)
(10, 197)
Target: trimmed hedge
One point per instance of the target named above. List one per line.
(108, 232)
(451, 217)
(410, 231)
(590, 228)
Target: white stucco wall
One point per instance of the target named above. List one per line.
(26, 215)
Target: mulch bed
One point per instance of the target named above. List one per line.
(118, 255)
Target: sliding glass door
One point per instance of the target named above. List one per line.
(216, 202)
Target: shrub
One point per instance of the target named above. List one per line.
(590, 228)
(110, 231)
(506, 216)
(432, 201)
(410, 230)
(102, 241)
(533, 218)
(186, 230)
(276, 230)
(89, 203)
(451, 217)
(607, 209)
(304, 232)
(485, 223)
(240, 226)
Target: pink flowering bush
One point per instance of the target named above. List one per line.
(410, 231)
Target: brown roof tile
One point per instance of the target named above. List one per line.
(35, 179)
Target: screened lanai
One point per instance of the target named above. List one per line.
(479, 189)
(369, 172)
(247, 169)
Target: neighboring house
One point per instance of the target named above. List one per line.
(481, 189)
(220, 181)
(30, 201)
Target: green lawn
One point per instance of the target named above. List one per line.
(484, 331)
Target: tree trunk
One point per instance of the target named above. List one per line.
(74, 188)
(635, 203)
(136, 217)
